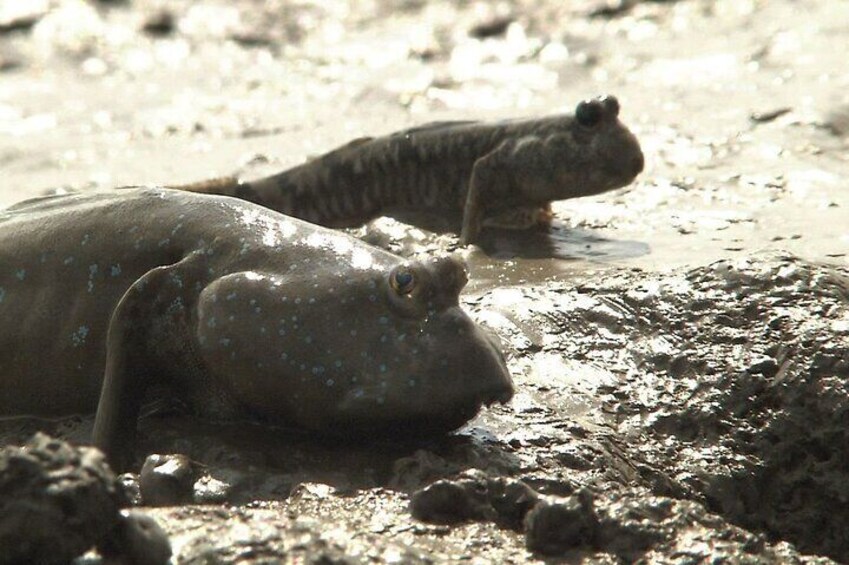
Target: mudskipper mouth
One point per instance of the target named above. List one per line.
(637, 164)
(499, 389)
(502, 397)
(500, 392)
(624, 174)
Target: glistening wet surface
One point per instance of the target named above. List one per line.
(679, 346)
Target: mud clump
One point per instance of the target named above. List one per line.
(767, 427)
(726, 384)
(474, 497)
(138, 539)
(58, 501)
(557, 525)
(628, 525)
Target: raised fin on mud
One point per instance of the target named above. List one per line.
(46, 202)
(354, 143)
(435, 126)
(131, 357)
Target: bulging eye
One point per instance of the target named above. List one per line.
(611, 103)
(589, 113)
(402, 281)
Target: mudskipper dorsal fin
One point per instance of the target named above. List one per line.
(435, 126)
(46, 202)
(343, 148)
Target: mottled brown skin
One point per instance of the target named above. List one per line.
(502, 174)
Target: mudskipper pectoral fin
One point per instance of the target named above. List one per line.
(132, 359)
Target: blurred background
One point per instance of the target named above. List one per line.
(740, 105)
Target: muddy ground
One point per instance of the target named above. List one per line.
(680, 347)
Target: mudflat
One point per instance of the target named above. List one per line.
(678, 347)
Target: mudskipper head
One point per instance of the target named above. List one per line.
(608, 143)
(588, 153)
(384, 349)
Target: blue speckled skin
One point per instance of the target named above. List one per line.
(243, 312)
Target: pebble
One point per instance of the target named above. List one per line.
(129, 483)
(138, 540)
(557, 525)
(159, 23)
(474, 497)
(167, 480)
(58, 501)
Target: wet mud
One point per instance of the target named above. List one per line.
(58, 501)
(680, 347)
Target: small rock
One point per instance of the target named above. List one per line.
(448, 502)
(167, 480)
(475, 497)
(129, 483)
(610, 8)
(491, 26)
(837, 120)
(159, 23)
(56, 501)
(628, 527)
(555, 526)
(769, 115)
(420, 468)
(767, 367)
(311, 491)
(209, 490)
(139, 540)
(512, 500)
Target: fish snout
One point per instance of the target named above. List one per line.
(637, 163)
(472, 355)
(624, 159)
(500, 391)
(631, 160)
(496, 383)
